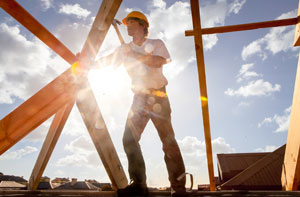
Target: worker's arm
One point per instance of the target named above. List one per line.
(153, 61)
(103, 61)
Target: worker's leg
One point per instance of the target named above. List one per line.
(160, 115)
(135, 124)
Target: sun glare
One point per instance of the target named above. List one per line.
(108, 79)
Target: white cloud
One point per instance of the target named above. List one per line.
(46, 4)
(159, 4)
(279, 39)
(26, 65)
(236, 6)
(244, 72)
(18, 154)
(244, 104)
(162, 25)
(254, 88)
(282, 121)
(83, 153)
(194, 154)
(74, 9)
(268, 148)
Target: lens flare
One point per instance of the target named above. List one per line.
(203, 98)
(75, 68)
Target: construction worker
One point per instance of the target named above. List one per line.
(144, 59)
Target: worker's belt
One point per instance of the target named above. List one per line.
(156, 92)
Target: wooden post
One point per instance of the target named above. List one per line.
(203, 89)
(291, 167)
(54, 132)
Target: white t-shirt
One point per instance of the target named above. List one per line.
(142, 76)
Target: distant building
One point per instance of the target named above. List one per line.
(11, 185)
(17, 179)
(77, 185)
(102, 186)
(45, 183)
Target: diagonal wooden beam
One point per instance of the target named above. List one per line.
(51, 139)
(87, 103)
(290, 178)
(95, 124)
(100, 27)
(203, 89)
(28, 21)
(36, 110)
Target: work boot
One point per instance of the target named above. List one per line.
(134, 189)
(178, 192)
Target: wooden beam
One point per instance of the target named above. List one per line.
(297, 32)
(203, 89)
(95, 124)
(100, 27)
(28, 21)
(245, 27)
(36, 110)
(291, 167)
(86, 101)
(54, 132)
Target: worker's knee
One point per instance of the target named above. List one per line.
(170, 144)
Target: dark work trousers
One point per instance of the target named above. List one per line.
(154, 106)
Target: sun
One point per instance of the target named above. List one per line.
(109, 79)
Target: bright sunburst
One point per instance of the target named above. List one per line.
(109, 79)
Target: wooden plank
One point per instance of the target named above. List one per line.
(291, 167)
(245, 27)
(54, 132)
(95, 124)
(100, 27)
(297, 32)
(86, 101)
(36, 110)
(28, 21)
(203, 89)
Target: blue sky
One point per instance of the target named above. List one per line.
(250, 79)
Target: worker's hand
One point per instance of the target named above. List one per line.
(126, 49)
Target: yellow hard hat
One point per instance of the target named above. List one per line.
(136, 14)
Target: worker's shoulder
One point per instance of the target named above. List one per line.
(155, 41)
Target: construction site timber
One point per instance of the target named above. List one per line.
(239, 174)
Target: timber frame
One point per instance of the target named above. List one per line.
(291, 166)
(59, 96)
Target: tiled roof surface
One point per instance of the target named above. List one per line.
(263, 174)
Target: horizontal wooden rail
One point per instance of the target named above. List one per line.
(245, 27)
